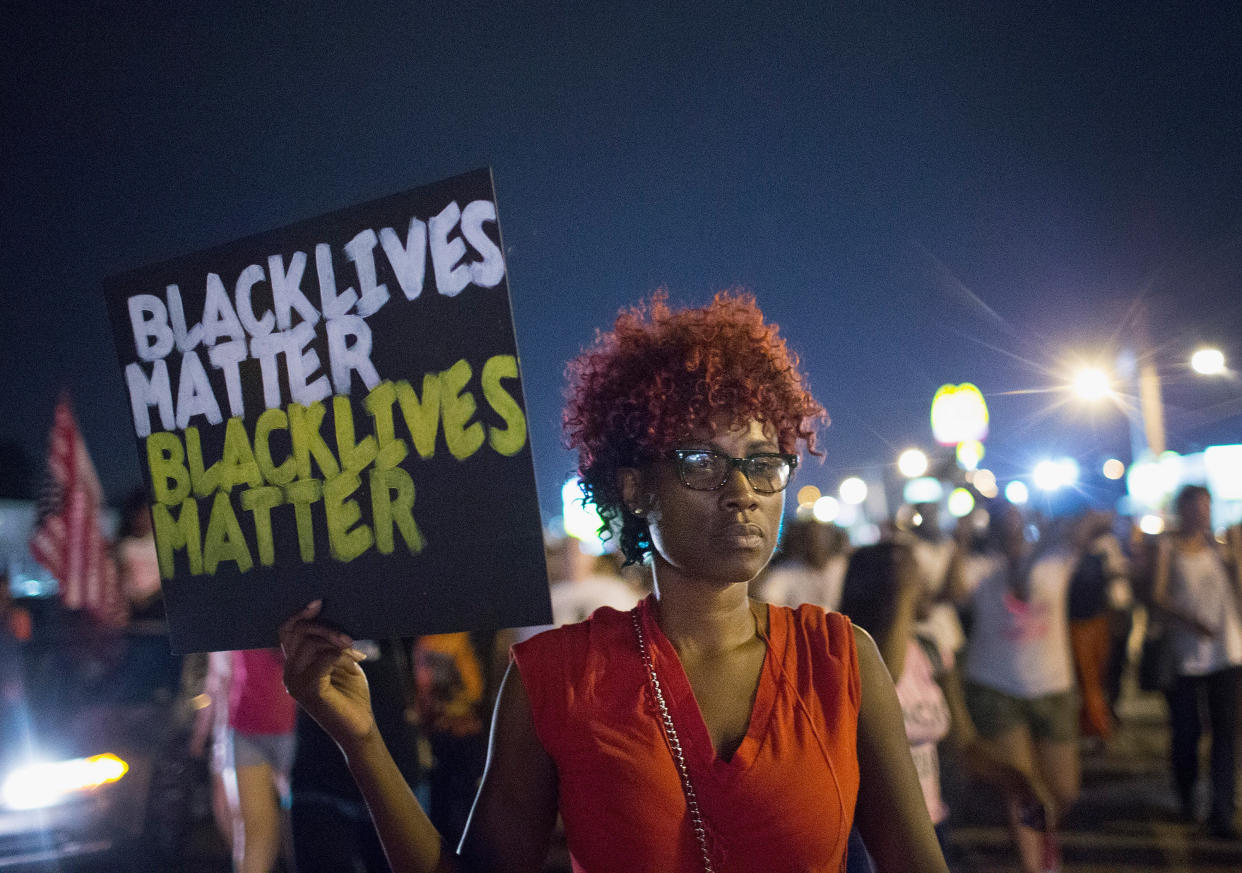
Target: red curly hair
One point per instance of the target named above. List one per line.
(662, 373)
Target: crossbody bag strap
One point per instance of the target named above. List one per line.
(674, 743)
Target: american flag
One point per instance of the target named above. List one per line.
(67, 539)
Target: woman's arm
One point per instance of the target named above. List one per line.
(322, 674)
(513, 815)
(891, 814)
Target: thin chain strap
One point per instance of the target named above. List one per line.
(679, 758)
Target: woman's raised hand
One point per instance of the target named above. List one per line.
(322, 674)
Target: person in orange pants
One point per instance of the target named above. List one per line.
(1098, 579)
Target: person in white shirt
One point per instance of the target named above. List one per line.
(1020, 687)
(1197, 588)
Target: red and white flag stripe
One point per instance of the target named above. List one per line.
(67, 539)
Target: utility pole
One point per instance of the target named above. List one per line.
(1139, 367)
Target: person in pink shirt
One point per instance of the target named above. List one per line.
(885, 593)
(259, 757)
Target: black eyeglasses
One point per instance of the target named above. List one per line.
(707, 469)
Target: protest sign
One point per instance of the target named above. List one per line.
(334, 410)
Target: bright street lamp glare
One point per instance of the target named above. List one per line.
(853, 491)
(1092, 384)
(808, 494)
(1017, 493)
(1046, 476)
(1152, 525)
(1208, 362)
(826, 509)
(961, 503)
(1054, 475)
(912, 463)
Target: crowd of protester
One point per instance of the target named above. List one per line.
(1035, 619)
(1007, 639)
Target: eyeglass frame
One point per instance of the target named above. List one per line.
(743, 464)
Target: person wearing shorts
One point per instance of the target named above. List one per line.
(1020, 686)
(1049, 718)
(259, 754)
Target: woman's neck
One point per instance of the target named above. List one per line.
(701, 618)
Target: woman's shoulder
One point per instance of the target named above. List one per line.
(821, 647)
(601, 629)
(562, 670)
(810, 614)
(815, 624)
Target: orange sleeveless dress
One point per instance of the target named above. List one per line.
(783, 802)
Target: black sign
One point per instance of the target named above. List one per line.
(334, 410)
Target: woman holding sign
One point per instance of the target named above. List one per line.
(701, 731)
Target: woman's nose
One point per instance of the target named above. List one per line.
(737, 493)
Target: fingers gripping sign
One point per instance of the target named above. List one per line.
(323, 676)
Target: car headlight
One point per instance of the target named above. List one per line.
(35, 786)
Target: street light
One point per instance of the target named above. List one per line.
(1152, 525)
(853, 491)
(1053, 475)
(1113, 469)
(912, 463)
(826, 509)
(1208, 362)
(1136, 368)
(1092, 383)
(961, 503)
(807, 495)
(1017, 493)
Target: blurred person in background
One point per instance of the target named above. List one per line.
(1124, 599)
(1196, 588)
(137, 563)
(453, 692)
(582, 582)
(1099, 586)
(259, 751)
(209, 736)
(1019, 673)
(886, 594)
(810, 567)
(150, 669)
(933, 551)
(332, 830)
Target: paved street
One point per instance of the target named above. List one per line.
(1125, 821)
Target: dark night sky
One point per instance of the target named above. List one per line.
(965, 191)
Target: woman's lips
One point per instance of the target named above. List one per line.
(740, 536)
